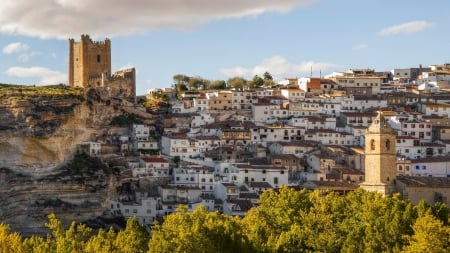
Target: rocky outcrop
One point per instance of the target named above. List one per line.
(39, 134)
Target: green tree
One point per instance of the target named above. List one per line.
(257, 81)
(430, 235)
(237, 83)
(271, 222)
(198, 231)
(216, 85)
(268, 80)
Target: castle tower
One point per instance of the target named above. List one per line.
(380, 157)
(89, 61)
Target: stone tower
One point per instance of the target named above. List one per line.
(380, 157)
(89, 61)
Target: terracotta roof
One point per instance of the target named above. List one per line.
(154, 160)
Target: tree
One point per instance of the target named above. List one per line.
(267, 76)
(102, 242)
(71, 240)
(10, 242)
(257, 81)
(430, 235)
(237, 83)
(197, 82)
(216, 85)
(133, 239)
(268, 80)
(198, 231)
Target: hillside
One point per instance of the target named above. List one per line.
(40, 128)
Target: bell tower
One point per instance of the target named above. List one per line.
(380, 157)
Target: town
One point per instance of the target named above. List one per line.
(221, 148)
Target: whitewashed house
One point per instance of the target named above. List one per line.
(293, 94)
(263, 112)
(155, 166)
(195, 176)
(431, 166)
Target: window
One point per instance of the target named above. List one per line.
(275, 180)
(98, 58)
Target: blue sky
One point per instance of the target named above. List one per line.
(218, 39)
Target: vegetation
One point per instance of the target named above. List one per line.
(286, 220)
(125, 120)
(27, 91)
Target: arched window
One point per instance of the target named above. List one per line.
(372, 144)
(388, 145)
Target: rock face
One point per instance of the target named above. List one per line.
(38, 138)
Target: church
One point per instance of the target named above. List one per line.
(381, 169)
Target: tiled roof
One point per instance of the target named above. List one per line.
(154, 160)
(425, 181)
(435, 159)
(259, 185)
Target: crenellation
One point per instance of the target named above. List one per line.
(90, 67)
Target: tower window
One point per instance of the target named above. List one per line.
(388, 144)
(98, 58)
(372, 144)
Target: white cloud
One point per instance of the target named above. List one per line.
(360, 46)
(410, 27)
(26, 57)
(69, 18)
(15, 47)
(278, 67)
(44, 75)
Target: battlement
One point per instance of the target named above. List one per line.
(86, 39)
(90, 67)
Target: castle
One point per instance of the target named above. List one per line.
(381, 169)
(90, 67)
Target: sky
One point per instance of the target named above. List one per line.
(220, 39)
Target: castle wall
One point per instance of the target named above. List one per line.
(90, 67)
(87, 60)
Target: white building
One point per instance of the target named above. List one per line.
(431, 166)
(263, 112)
(145, 211)
(293, 94)
(140, 132)
(199, 177)
(155, 166)
(275, 176)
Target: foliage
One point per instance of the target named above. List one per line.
(125, 120)
(28, 91)
(198, 231)
(84, 164)
(430, 235)
(286, 220)
(237, 83)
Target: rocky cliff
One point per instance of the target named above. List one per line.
(40, 128)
